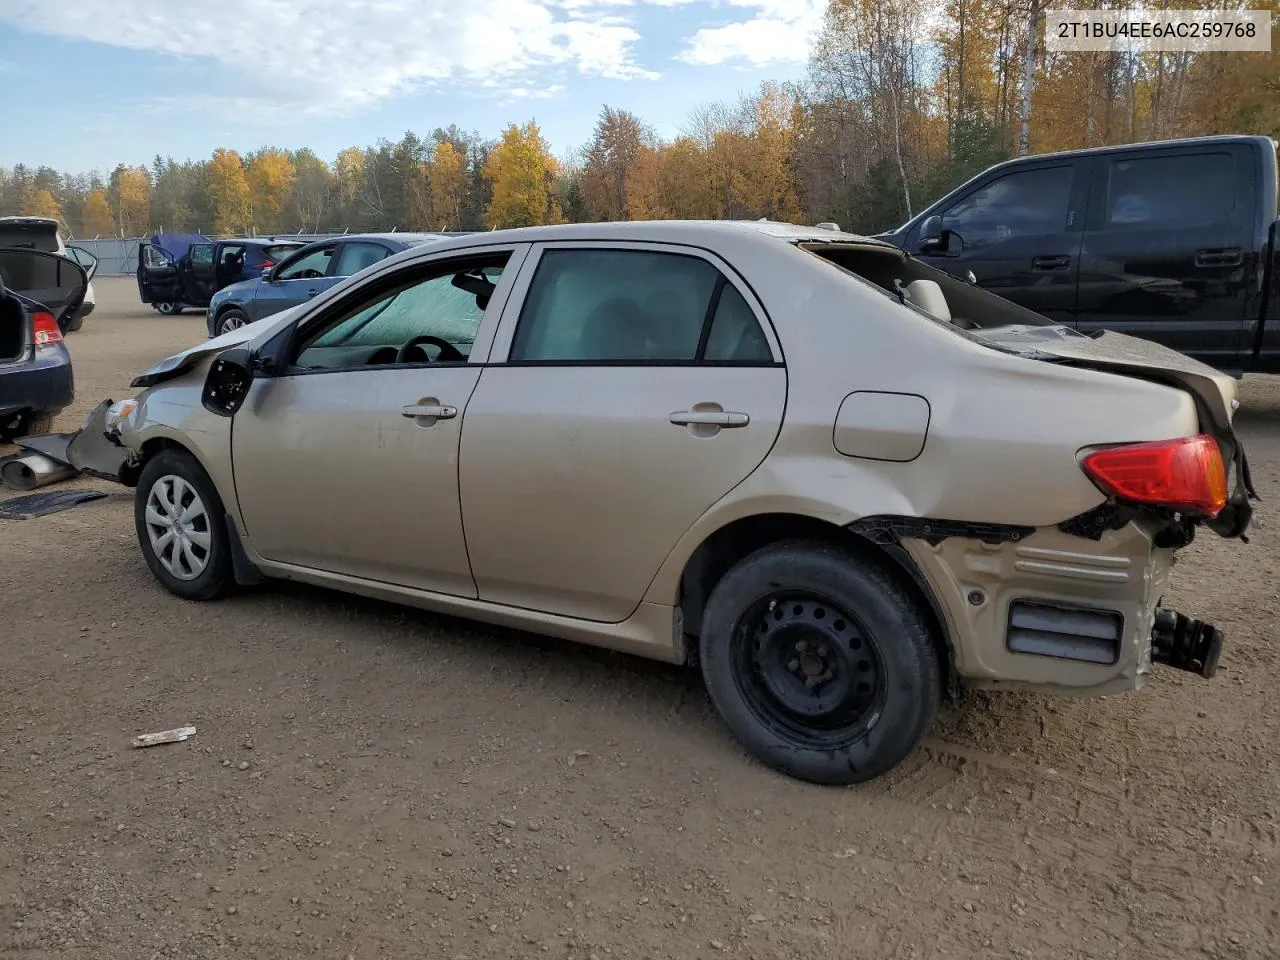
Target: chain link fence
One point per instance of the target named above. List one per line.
(118, 256)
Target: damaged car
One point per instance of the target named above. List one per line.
(40, 292)
(845, 484)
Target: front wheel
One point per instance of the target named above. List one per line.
(820, 662)
(232, 319)
(182, 528)
(169, 308)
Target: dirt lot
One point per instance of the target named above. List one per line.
(371, 781)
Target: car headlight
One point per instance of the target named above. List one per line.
(118, 413)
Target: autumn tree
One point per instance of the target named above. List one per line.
(447, 178)
(228, 187)
(610, 158)
(130, 197)
(313, 187)
(522, 172)
(97, 214)
(270, 175)
(43, 204)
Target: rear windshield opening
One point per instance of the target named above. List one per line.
(956, 302)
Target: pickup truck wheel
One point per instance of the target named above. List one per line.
(820, 662)
(232, 319)
(181, 525)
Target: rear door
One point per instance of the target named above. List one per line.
(296, 280)
(198, 273)
(229, 261)
(157, 275)
(1166, 254)
(631, 386)
(1021, 231)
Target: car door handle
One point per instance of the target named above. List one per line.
(432, 411)
(1220, 257)
(312, 293)
(1050, 263)
(709, 418)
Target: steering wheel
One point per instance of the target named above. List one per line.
(447, 350)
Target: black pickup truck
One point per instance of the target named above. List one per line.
(1176, 241)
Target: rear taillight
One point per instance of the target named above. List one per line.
(45, 329)
(1185, 474)
(267, 264)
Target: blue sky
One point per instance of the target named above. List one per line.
(87, 85)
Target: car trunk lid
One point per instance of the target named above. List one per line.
(33, 233)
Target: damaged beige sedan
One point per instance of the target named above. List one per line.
(844, 484)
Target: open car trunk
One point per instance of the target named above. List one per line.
(14, 334)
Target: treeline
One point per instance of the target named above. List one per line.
(886, 121)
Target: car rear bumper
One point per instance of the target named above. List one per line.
(43, 384)
(1063, 613)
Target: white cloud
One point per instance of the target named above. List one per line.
(779, 31)
(335, 56)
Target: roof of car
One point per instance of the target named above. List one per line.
(673, 231)
(264, 241)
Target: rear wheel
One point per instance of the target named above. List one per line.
(169, 308)
(819, 662)
(181, 527)
(232, 319)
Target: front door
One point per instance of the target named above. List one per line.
(640, 385)
(157, 275)
(1167, 253)
(199, 275)
(1020, 234)
(348, 462)
(296, 280)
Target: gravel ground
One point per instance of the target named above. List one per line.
(374, 781)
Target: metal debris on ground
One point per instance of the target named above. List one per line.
(41, 504)
(177, 735)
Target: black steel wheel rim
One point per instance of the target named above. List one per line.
(808, 669)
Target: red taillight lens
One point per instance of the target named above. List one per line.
(1183, 474)
(45, 327)
(267, 264)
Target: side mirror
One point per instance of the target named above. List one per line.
(947, 243)
(228, 381)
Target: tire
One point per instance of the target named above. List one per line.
(172, 477)
(852, 702)
(28, 425)
(169, 308)
(230, 320)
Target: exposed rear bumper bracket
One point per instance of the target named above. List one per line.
(1185, 644)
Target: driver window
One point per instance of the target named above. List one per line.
(443, 305)
(309, 266)
(1019, 204)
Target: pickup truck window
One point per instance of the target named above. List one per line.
(1187, 189)
(1021, 203)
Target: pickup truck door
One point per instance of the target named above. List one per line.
(1020, 231)
(1168, 248)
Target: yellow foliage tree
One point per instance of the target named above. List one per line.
(97, 214)
(132, 189)
(42, 203)
(447, 176)
(349, 170)
(522, 172)
(271, 175)
(229, 196)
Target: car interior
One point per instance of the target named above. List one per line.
(431, 320)
(13, 339)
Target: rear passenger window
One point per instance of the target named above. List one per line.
(630, 306)
(356, 256)
(1187, 189)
